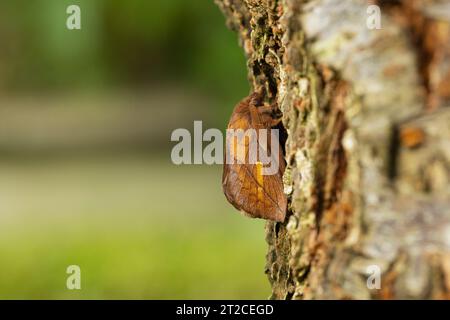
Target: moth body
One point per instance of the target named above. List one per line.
(247, 184)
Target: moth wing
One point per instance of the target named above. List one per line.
(266, 201)
(256, 195)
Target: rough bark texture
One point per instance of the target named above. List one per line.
(368, 149)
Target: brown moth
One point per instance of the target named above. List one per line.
(246, 188)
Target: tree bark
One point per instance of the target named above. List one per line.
(368, 150)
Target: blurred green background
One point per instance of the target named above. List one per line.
(85, 170)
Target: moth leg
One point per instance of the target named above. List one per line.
(265, 109)
(270, 115)
(256, 98)
(275, 122)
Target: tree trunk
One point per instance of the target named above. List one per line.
(368, 148)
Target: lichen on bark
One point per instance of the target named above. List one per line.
(368, 162)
